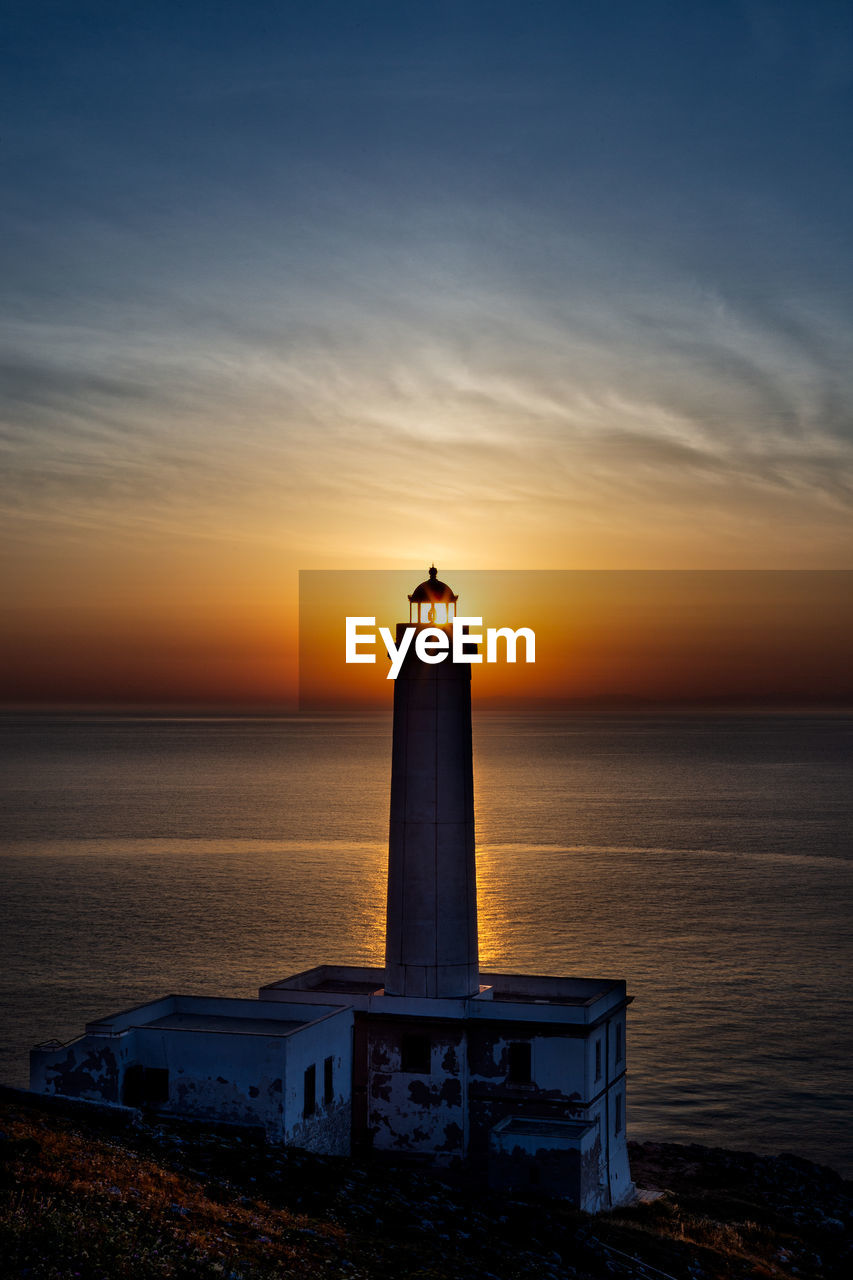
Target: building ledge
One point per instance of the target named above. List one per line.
(507, 996)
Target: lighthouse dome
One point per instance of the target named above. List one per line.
(433, 591)
(432, 601)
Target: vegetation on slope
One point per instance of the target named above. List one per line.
(81, 1199)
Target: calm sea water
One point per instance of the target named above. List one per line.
(708, 861)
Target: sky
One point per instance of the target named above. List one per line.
(361, 285)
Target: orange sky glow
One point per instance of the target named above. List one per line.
(605, 638)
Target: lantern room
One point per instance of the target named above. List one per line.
(432, 603)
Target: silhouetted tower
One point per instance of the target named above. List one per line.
(431, 933)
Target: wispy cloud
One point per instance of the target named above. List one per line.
(360, 398)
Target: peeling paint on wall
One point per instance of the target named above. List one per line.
(436, 1092)
(94, 1076)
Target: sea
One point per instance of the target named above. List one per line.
(706, 859)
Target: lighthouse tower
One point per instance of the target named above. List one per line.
(431, 928)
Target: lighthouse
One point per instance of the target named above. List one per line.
(431, 921)
(521, 1078)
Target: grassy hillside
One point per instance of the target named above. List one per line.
(80, 1197)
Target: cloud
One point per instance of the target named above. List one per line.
(353, 377)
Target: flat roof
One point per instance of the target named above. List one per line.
(531, 997)
(231, 1014)
(348, 986)
(230, 1024)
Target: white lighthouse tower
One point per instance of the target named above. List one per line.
(431, 931)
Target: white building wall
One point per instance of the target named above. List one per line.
(232, 1073)
(229, 1078)
(328, 1129)
(558, 1064)
(418, 1112)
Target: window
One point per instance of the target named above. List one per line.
(598, 1059)
(519, 1063)
(619, 1050)
(329, 1081)
(156, 1084)
(145, 1086)
(415, 1055)
(310, 1103)
(617, 1114)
